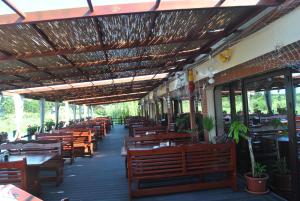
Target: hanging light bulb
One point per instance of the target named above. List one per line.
(211, 80)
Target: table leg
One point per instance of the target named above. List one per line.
(34, 186)
(126, 167)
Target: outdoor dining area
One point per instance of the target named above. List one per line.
(24, 161)
(213, 88)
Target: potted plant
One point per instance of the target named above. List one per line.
(31, 130)
(3, 137)
(208, 125)
(282, 176)
(71, 122)
(257, 178)
(61, 124)
(49, 124)
(183, 123)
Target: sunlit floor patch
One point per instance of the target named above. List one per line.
(58, 192)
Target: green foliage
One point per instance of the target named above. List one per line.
(31, 106)
(236, 130)
(32, 129)
(259, 170)
(118, 110)
(49, 124)
(71, 122)
(183, 123)
(6, 106)
(208, 123)
(281, 166)
(3, 136)
(276, 123)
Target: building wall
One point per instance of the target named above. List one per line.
(257, 53)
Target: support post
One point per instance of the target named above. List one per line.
(74, 112)
(56, 113)
(169, 109)
(67, 112)
(88, 111)
(92, 111)
(85, 111)
(268, 97)
(80, 111)
(162, 107)
(176, 108)
(157, 111)
(192, 106)
(19, 109)
(180, 107)
(42, 114)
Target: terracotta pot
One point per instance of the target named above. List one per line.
(256, 185)
(283, 182)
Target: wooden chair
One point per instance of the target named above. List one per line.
(66, 139)
(55, 165)
(14, 173)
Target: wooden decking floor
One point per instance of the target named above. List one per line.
(102, 178)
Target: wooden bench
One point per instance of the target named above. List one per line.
(66, 139)
(192, 161)
(55, 165)
(83, 143)
(14, 173)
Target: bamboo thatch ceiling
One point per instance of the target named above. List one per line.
(93, 47)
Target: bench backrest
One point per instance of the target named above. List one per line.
(178, 138)
(22, 147)
(181, 161)
(14, 173)
(66, 138)
(151, 129)
(82, 137)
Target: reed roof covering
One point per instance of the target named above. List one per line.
(36, 51)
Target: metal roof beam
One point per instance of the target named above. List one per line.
(100, 47)
(114, 101)
(138, 7)
(14, 8)
(89, 2)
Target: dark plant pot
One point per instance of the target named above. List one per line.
(256, 185)
(283, 182)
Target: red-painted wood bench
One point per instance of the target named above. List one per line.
(83, 143)
(194, 161)
(66, 139)
(14, 173)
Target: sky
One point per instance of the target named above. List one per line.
(40, 5)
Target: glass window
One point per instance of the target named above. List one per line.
(222, 106)
(185, 106)
(268, 122)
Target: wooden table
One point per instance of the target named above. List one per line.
(34, 161)
(135, 147)
(12, 193)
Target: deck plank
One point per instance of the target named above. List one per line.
(102, 178)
